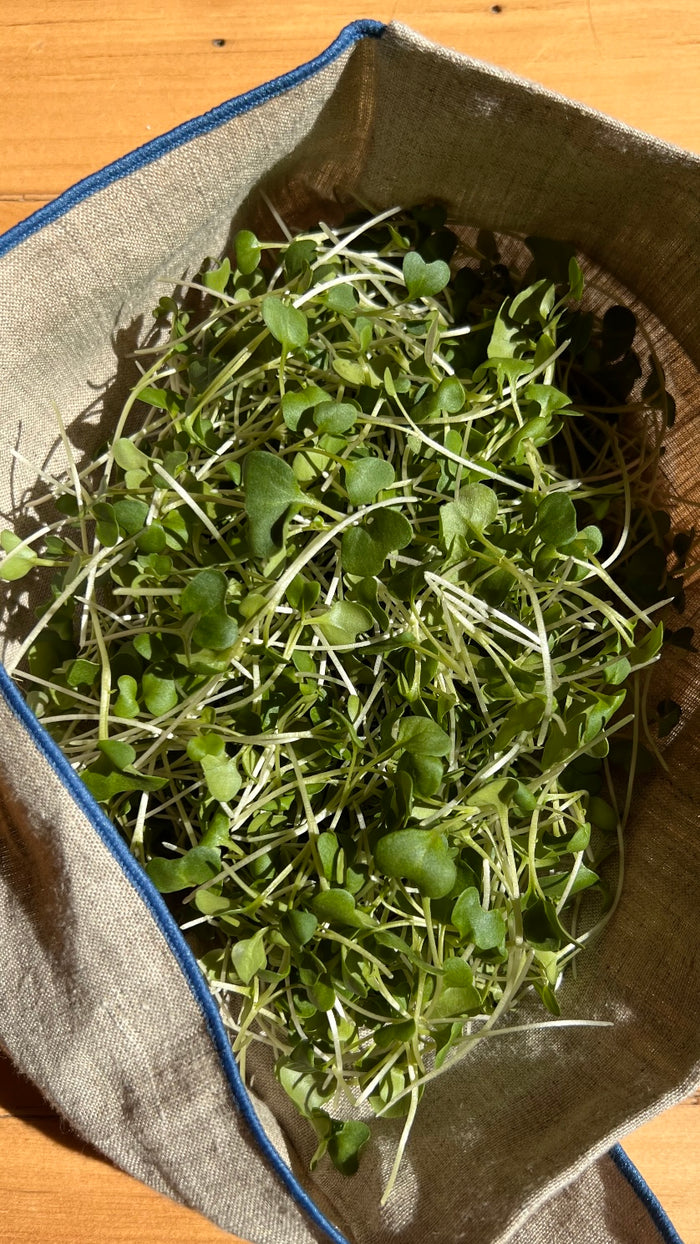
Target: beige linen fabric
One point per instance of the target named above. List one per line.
(93, 1005)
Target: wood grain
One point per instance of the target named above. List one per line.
(80, 86)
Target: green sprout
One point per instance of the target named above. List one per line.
(350, 637)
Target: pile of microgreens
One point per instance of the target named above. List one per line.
(341, 632)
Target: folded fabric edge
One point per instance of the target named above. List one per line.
(365, 28)
(649, 1199)
(175, 941)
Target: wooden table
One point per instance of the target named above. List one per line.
(77, 90)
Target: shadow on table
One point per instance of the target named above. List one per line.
(21, 1099)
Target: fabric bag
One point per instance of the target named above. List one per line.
(101, 1001)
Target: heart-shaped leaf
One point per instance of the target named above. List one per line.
(286, 323)
(193, 868)
(159, 694)
(366, 547)
(205, 593)
(248, 956)
(334, 418)
(120, 755)
(487, 929)
(423, 737)
(270, 488)
(338, 907)
(343, 622)
(419, 856)
(346, 1143)
(556, 519)
(424, 280)
(222, 777)
(366, 477)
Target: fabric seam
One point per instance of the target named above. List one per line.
(151, 151)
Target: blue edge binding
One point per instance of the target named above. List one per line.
(142, 156)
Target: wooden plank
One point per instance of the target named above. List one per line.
(667, 1152)
(55, 1190)
(80, 86)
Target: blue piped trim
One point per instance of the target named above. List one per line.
(157, 147)
(174, 938)
(653, 1206)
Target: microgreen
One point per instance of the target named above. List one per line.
(347, 636)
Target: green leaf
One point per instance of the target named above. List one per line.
(475, 510)
(16, 565)
(286, 323)
(216, 631)
(249, 957)
(151, 539)
(366, 547)
(506, 337)
(648, 647)
(349, 370)
(302, 593)
(306, 1087)
(427, 773)
(576, 281)
(419, 856)
(456, 1000)
(299, 255)
(127, 455)
(423, 737)
(343, 622)
(602, 814)
(105, 786)
(126, 704)
(533, 303)
(205, 593)
(299, 927)
(82, 673)
(450, 395)
(338, 907)
(296, 402)
(487, 929)
(556, 519)
(247, 250)
(217, 278)
(424, 280)
(9, 541)
(457, 972)
(270, 488)
(106, 527)
(120, 755)
(159, 694)
(222, 777)
(555, 885)
(334, 418)
(343, 299)
(131, 515)
(207, 744)
(346, 1144)
(525, 716)
(495, 794)
(366, 477)
(193, 868)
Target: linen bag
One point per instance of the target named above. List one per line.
(101, 1002)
